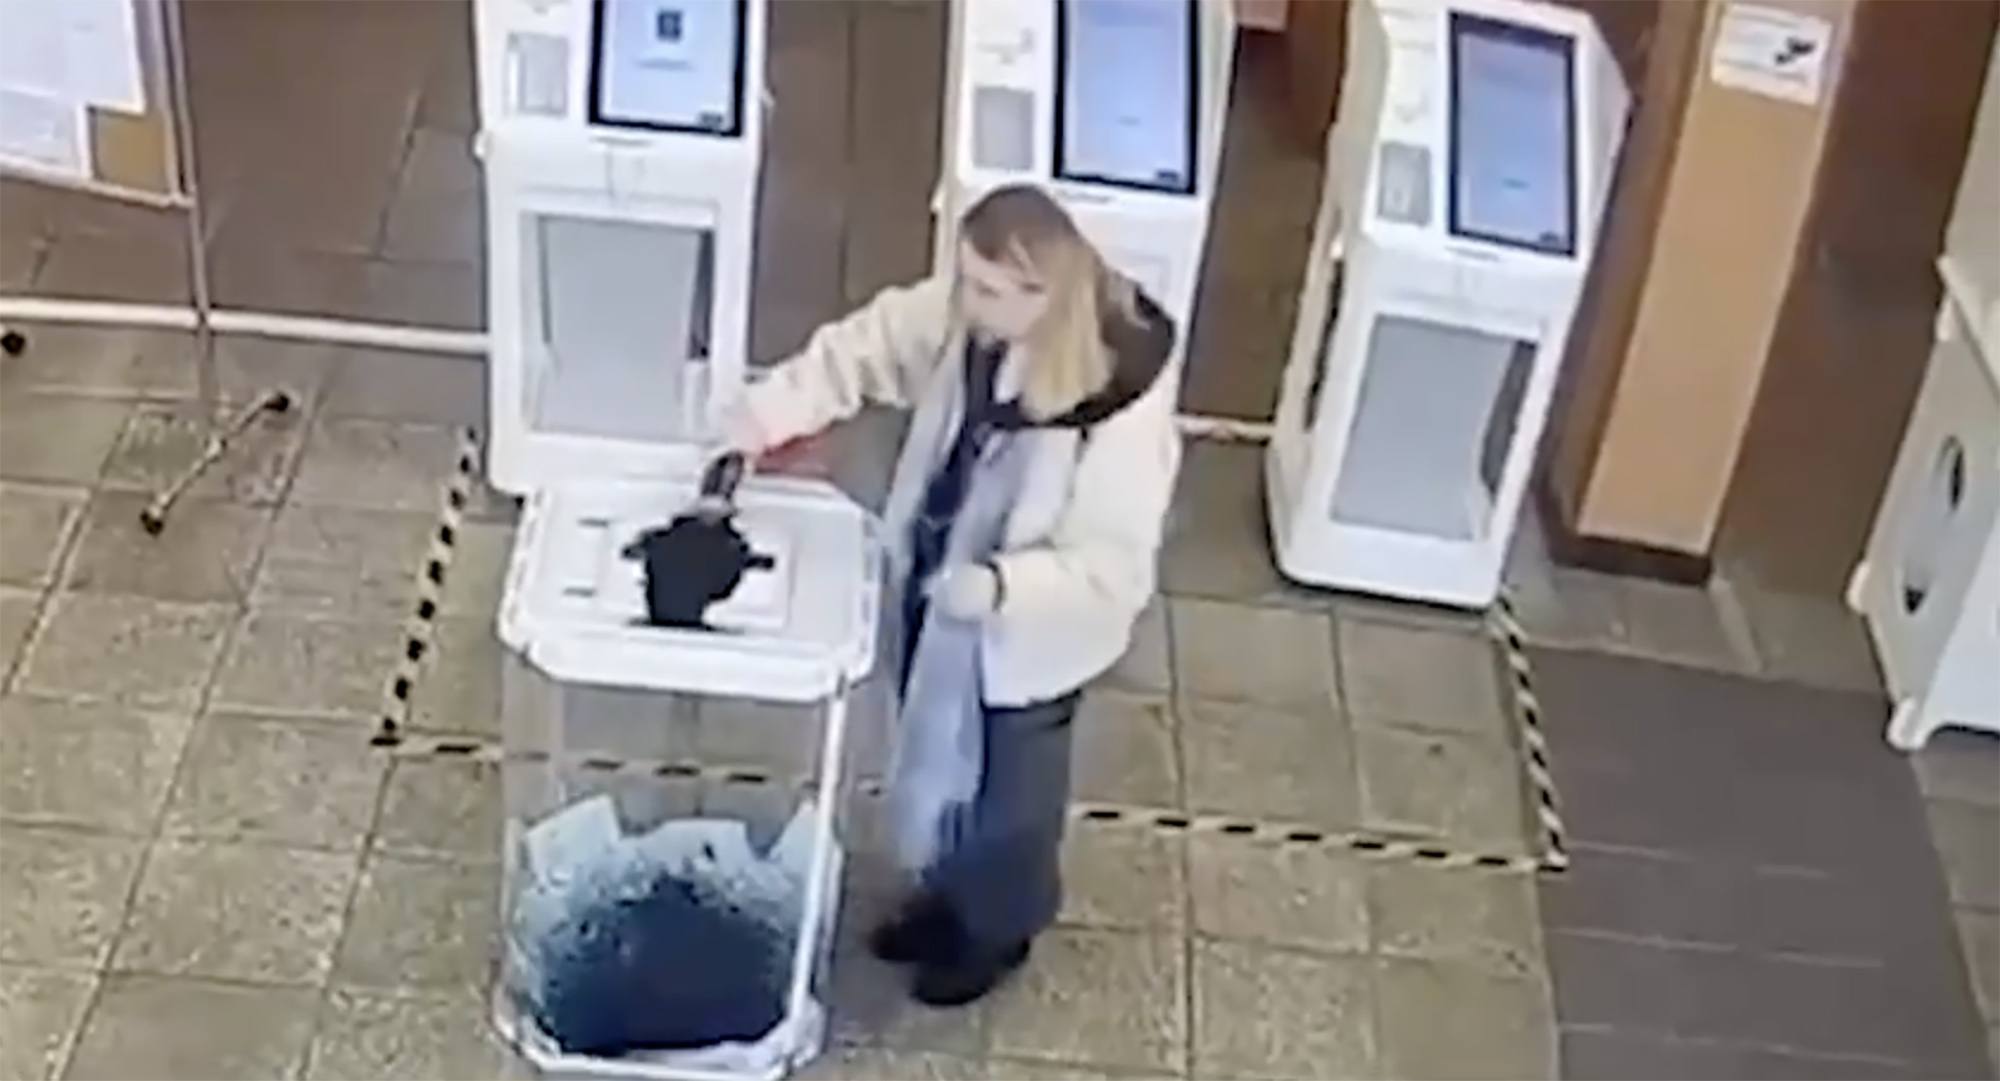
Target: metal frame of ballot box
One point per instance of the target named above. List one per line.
(157, 43)
(803, 634)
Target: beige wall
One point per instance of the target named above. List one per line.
(1733, 202)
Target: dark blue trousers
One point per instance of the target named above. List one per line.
(1003, 877)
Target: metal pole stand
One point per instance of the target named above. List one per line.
(219, 434)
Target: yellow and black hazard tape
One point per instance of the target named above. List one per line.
(421, 628)
(1162, 820)
(1527, 711)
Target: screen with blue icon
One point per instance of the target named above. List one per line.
(668, 65)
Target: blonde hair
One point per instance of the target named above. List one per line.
(1023, 228)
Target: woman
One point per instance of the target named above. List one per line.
(1025, 521)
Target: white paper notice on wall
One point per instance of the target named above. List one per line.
(1772, 51)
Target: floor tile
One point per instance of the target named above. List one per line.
(207, 556)
(99, 362)
(420, 923)
(1422, 912)
(1279, 1014)
(1125, 751)
(1565, 608)
(160, 365)
(1124, 877)
(1007, 1069)
(1500, 1027)
(1465, 791)
(1813, 640)
(36, 526)
(128, 650)
(1960, 765)
(458, 687)
(1683, 625)
(404, 1037)
(90, 766)
(1291, 766)
(1292, 895)
(1263, 656)
(193, 1030)
(280, 781)
(435, 807)
(377, 465)
(65, 895)
(1614, 1055)
(55, 439)
(885, 1064)
(162, 440)
(478, 572)
(869, 1002)
(18, 609)
(285, 664)
(1979, 937)
(417, 388)
(237, 912)
(338, 561)
(40, 1012)
(1968, 844)
(1421, 677)
(1099, 997)
(1147, 667)
(1218, 544)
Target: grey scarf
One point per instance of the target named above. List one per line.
(939, 750)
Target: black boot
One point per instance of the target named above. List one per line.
(924, 932)
(968, 978)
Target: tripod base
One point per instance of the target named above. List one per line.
(271, 403)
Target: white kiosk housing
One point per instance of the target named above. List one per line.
(1928, 585)
(622, 142)
(1118, 107)
(1466, 177)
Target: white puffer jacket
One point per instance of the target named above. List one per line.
(1082, 545)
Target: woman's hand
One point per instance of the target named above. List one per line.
(805, 456)
(969, 591)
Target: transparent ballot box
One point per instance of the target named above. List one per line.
(673, 841)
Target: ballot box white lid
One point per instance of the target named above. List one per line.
(574, 607)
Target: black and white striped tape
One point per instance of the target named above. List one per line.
(1534, 745)
(420, 629)
(1085, 812)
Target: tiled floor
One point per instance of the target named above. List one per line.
(203, 873)
(212, 875)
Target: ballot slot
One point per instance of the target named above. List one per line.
(668, 66)
(622, 314)
(1436, 414)
(1127, 93)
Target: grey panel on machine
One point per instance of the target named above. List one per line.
(1403, 184)
(624, 311)
(1003, 128)
(541, 74)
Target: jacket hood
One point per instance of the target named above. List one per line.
(1139, 351)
